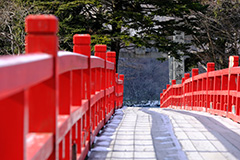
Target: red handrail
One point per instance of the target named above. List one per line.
(53, 103)
(216, 92)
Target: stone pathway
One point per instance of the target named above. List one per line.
(204, 136)
(165, 134)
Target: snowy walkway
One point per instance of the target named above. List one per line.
(165, 134)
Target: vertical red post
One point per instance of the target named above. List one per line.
(82, 45)
(42, 98)
(210, 68)
(100, 51)
(121, 76)
(183, 79)
(186, 90)
(183, 93)
(238, 101)
(77, 75)
(194, 72)
(194, 86)
(167, 86)
(111, 57)
(173, 81)
(186, 76)
(161, 100)
(173, 99)
(233, 62)
(117, 90)
(14, 126)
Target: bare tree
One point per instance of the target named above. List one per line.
(217, 33)
(12, 34)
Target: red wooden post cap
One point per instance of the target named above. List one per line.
(81, 39)
(168, 85)
(233, 61)
(82, 44)
(111, 56)
(210, 66)
(164, 90)
(194, 72)
(100, 48)
(183, 79)
(121, 76)
(173, 81)
(41, 24)
(100, 51)
(186, 75)
(161, 94)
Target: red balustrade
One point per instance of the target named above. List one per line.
(216, 92)
(53, 103)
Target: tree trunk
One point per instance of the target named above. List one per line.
(116, 30)
(115, 46)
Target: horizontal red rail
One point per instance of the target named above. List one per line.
(22, 67)
(71, 61)
(53, 103)
(216, 92)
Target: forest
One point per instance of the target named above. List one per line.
(213, 28)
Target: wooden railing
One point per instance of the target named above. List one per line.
(53, 103)
(216, 92)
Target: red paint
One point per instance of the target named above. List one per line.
(216, 92)
(51, 101)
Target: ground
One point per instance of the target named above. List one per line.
(166, 134)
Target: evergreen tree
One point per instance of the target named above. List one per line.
(121, 23)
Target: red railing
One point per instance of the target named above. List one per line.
(53, 103)
(216, 92)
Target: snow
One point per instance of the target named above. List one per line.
(100, 149)
(162, 138)
(151, 103)
(107, 134)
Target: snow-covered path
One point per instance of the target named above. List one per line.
(165, 134)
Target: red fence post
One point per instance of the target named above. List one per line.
(117, 90)
(161, 100)
(233, 62)
(167, 86)
(173, 81)
(82, 45)
(121, 76)
(164, 98)
(209, 85)
(185, 90)
(100, 51)
(14, 126)
(42, 98)
(111, 57)
(79, 93)
(173, 99)
(214, 92)
(194, 87)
